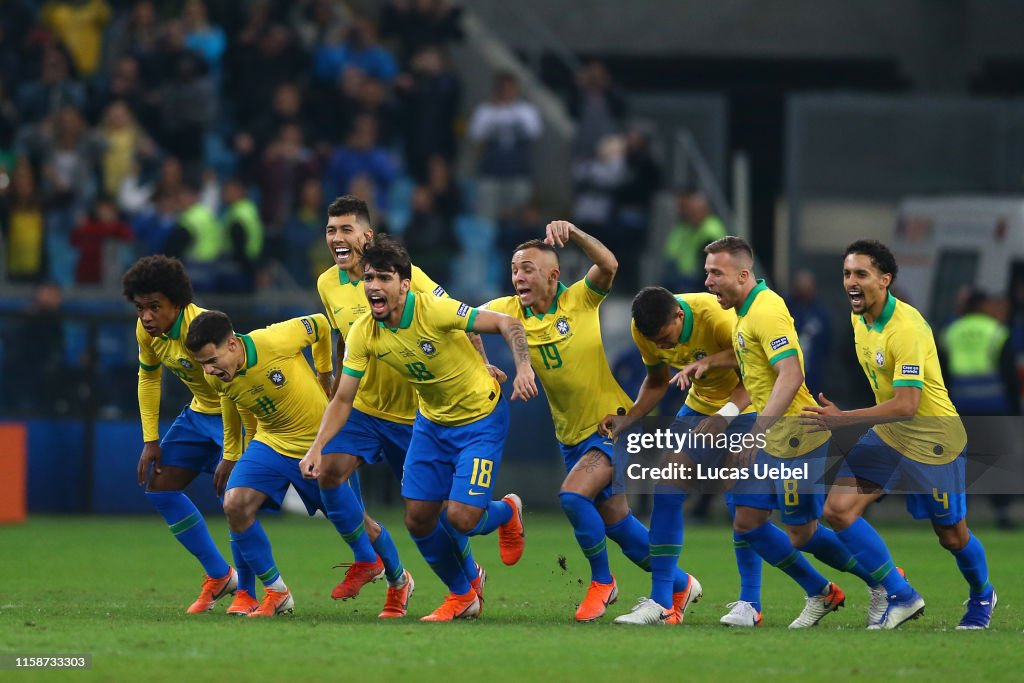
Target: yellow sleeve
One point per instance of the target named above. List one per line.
(777, 335)
(421, 282)
(451, 314)
(150, 373)
(908, 357)
(647, 349)
(723, 322)
(357, 352)
(292, 336)
(327, 306)
(590, 294)
(232, 428)
(323, 353)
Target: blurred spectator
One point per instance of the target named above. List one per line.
(12, 63)
(198, 238)
(21, 213)
(9, 120)
(597, 181)
(136, 34)
(445, 191)
(79, 24)
(69, 185)
(37, 335)
(285, 109)
(91, 236)
(264, 56)
(813, 325)
(525, 224)
(188, 101)
(641, 182)
(307, 256)
(363, 187)
(417, 24)
(287, 165)
(154, 223)
(504, 127)
(684, 248)
(243, 231)
(123, 143)
(358, 50)
(125, 85)
(317, 22)
(204, 38)
(429, 100)
(361, 155)
(598, 108)
(430, 238)
(54, 90)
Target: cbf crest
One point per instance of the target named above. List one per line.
(562, 325)
(185, 363)
(879, 359)
(739, 340)
(427, 347)
(700, 355)
(276, 377)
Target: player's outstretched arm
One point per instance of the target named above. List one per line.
(652, 390)
(335, 416)
(478, 344)
(490, 322)
(902, 406)
(789, 377)
(602, 273)
(232, 443)
(725, 358)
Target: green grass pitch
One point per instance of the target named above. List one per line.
(117, 588)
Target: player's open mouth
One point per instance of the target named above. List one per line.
(522, 291)
(378, 304)
(342, 253)
(856, 297)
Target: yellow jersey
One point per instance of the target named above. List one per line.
(383, 391)
(707, 329)
(277, 385)
(567, 354)
(431, 350)
(168, 351)
(898, 350)
(764, 334)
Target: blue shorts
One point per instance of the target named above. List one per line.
(264, 469)
(373, 439)
(456, 463)
(194, 442)
(595, 442)
(799, 501)
(935, 492)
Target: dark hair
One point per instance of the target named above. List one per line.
(209, 327)
(880, 255)
(350, 205)
(653, 308)
(731, 244)
(537, 244)
(158, 275)
(386, 255)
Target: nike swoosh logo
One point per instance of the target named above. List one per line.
(476, 493)
(381, 355)
(338, 309)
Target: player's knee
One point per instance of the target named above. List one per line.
(418, 523)
(800, 535)
(464, 519)
(237, 511)
(839, 517)
(952, 538)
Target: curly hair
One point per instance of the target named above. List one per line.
(350, 205)
(158, 275)
(385, 254)
(879, 254)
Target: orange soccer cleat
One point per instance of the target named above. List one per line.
(396, 603)
(357, 575)
(512, 534)
(243, 605)
(466, 606)
(274, 603)
(596, 601)
(212, 591)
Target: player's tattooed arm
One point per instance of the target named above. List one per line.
(602, 273)
(478, 344)
(490, 322)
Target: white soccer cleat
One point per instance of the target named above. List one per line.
(742, 615)
(877, 606)
(896, 613)
(817, 606)
(647, 612)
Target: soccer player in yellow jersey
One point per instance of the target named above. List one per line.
(162, 295)
(380, 426)
(563, 330)
(461, 424)
(265, 373)
(676, 331)
(770, 361)
(924, 456)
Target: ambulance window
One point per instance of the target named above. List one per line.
(956, 269)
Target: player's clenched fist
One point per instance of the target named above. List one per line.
(557, 233)
(310, 464)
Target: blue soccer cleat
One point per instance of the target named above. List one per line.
(900, 611)
(978, 614)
